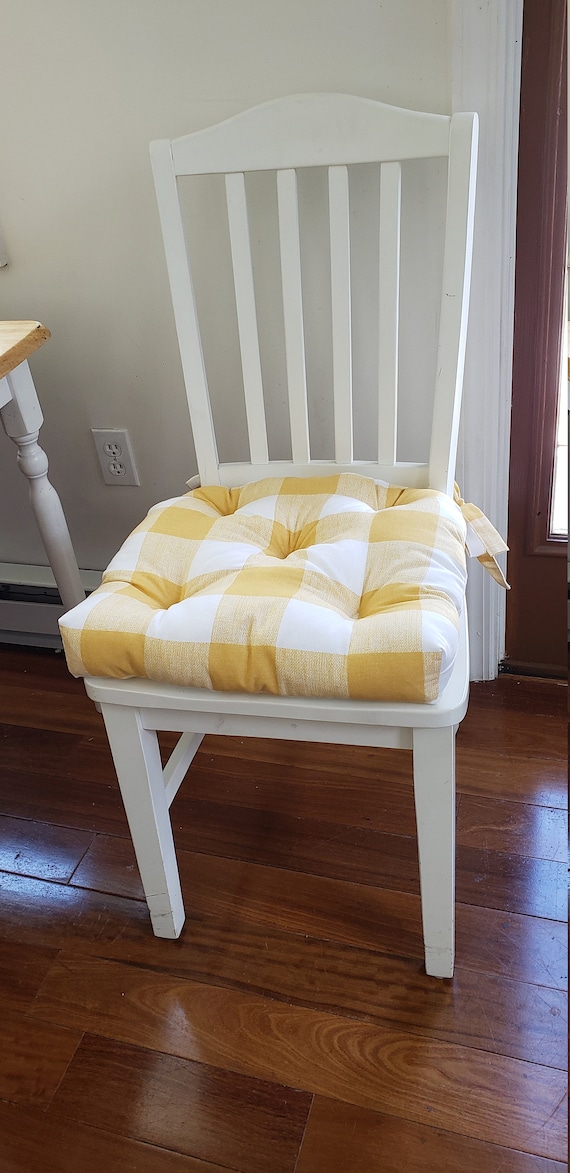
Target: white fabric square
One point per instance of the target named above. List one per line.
(263, 507)
(77, 617)
(338, 503)
(343, 562)
(214, 556)
(442, 577)
(127, 558)
(312, 628)
(191, 620)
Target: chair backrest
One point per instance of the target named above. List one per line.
(332, 131)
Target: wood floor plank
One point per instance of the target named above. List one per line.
(477, 1010)
(521, 694)
(343, 1139)
(511, 731)
(31, 1140)
(465, 1090)
(515, 827)
(527, 948)
(512, 883)
(526, 832)
(63, 801)
(381, 800)
(514, 776)
(32, 667)
(218, 1116)
(45, 750)
(358, 855)
(110, 866)
(480, 1009)
(34, 1056)
(382, 803)
(40, 849)
(522, 948)
(43, 708)
(481, 769)
(90, 760)
(22, 972)
(310, 846)
(36, 912)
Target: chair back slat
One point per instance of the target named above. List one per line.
(388, 310)
(185, 311)
(246, 316)
(339, 216)
(454, 301)
(291, 283)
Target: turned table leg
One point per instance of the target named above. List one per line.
(22, 418)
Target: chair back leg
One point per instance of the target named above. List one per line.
(434, 789)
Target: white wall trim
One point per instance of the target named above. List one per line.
(485, 41)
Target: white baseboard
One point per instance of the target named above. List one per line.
(30, 605)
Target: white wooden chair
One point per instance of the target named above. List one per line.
(329, 131)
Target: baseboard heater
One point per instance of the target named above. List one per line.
(30, 604)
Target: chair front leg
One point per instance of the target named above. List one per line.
(434, 789)
(137, 761)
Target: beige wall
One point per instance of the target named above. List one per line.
(85, 85)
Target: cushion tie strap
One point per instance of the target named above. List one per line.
(483, 542)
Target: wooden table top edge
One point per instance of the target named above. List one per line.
(18, 340)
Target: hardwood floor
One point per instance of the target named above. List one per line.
(291, 1029)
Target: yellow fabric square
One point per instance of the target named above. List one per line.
(322, 673)
(245, 620)
(223, 501)
(209, 584)
(155, 591)
(432, 669)
(383, 676)
(72, 645)
(113, 653)
(257, 490)
(326, 593)
(254, 531)
(389, 597)
(182, 523)
(394, 564)
(276, 582)
(281, 542)
(355, 526)
(249, 668)
(362, 488)
(393, 525)
(160, 557)
(177, 661)
(309, 486)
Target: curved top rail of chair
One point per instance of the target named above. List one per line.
(307, 130)
(18, 340)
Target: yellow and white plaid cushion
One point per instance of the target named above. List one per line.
(335, 586)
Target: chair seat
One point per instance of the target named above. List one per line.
(335, 586)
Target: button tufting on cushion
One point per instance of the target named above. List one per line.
(326, 586)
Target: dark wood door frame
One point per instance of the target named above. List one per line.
(536, 609)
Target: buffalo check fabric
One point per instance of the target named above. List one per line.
(329, 587)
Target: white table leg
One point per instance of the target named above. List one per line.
(22, 418)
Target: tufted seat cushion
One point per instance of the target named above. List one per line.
(333, 587)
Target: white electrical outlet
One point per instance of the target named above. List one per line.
(113, 448)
